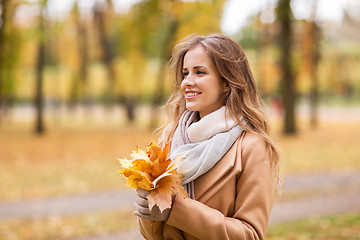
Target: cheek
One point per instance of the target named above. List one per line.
(182, 86)
(218, 93)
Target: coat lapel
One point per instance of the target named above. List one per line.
(209, 183)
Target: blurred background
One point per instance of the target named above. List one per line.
(82, 84)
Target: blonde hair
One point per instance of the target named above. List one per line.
(242, 97)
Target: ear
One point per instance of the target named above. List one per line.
(226, 87)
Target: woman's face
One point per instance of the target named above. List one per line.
(202, 88)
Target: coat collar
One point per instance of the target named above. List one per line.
(208, 184)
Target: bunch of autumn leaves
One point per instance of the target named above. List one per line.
(152, 170)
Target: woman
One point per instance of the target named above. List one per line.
(231, 167)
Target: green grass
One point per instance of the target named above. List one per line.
(340, 227)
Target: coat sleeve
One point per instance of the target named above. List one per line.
(255, 195)
(150, 230)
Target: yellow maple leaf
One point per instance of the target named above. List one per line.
(153, 170)
(156, 152)
(139, 154)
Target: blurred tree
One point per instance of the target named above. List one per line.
(4, 6)
(40, 62)
(259, 39)
(103, 11)
(201, 17)
(251, 37)
(168, 27)
(80, 77)
(348, 50)
(312, 55)
(158, 24)
(152, 26)
(284, 15)
(9, 53)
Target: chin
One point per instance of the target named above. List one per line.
(191, 107)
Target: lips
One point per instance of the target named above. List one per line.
(191, 94)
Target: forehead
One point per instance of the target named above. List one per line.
(197, 56)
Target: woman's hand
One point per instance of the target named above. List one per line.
(142, 208)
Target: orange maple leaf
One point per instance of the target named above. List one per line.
(153, 170)
(168, 186)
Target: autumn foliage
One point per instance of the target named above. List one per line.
(152, 170)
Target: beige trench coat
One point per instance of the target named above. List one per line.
(233, 199)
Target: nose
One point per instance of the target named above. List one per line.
(188, 80)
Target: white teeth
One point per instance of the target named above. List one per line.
(192, 94)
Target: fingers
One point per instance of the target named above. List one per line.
(155, 214)
(142, 209)
(141, 204)
(147, 217)
(142, 192)
(141, 201)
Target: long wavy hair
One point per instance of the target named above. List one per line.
(242, 98)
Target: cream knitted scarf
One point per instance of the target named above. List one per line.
(204, 142)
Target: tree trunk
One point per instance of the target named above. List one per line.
(159, 94)
(107, 48)
(314, 33)
(288, 81)
(9, 54)
(83, 51)
(3, 19)
(39, 101)
(78, 88)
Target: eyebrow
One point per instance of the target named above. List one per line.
(196, 67)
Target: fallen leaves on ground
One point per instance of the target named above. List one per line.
(66, 161)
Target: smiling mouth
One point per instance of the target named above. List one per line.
(192, 94)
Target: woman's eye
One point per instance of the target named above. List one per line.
(185, 74)
(200, 72)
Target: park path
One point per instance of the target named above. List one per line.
(304, 196)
